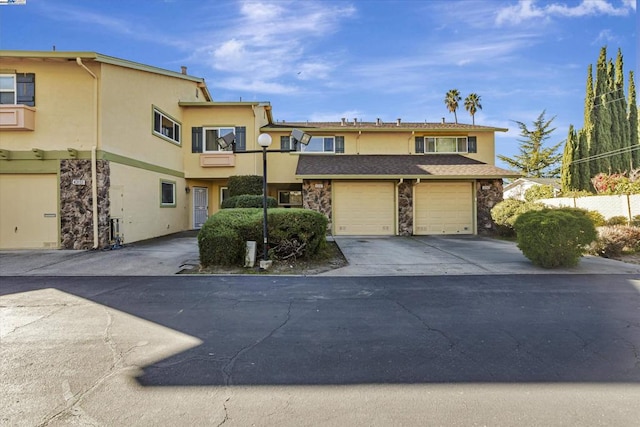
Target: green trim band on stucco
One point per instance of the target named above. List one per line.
(29, 166)
(48, 155)
(26, 162)
(127, 161)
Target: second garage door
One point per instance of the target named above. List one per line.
(364, 208)
(443, 208)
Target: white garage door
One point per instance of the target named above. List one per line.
(364, 208)
(443, 208)
(28, 211)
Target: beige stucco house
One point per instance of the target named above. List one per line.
(84, 136)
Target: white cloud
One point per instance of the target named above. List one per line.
(526, 10)
(272, 40)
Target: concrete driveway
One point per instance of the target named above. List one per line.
(367, 256)
(452, 255)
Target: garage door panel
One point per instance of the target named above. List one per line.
(362, 208)
(444, 208)
(28, 211)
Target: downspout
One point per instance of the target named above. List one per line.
(94, 161)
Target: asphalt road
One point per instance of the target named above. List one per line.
(264, 350)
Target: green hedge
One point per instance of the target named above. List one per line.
(244, 184)
(295, 228)
(292, 233)
(554, 237)
(247, 201)
(505, 213)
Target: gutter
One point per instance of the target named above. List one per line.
(94, 161)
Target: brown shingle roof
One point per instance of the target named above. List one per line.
(396, 166)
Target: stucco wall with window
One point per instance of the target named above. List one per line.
(64, 116)
(127, 100)
(245, 115)
(143, 215)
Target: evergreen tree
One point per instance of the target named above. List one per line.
(568, 167)
(600, 119)
(536, 160)
(584, 167)
(621, 133)
(634, 125)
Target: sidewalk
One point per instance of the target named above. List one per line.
(367, 256)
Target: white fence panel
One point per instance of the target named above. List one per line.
(608, 206)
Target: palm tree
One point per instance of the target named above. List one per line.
(451, 101)
(472, 104)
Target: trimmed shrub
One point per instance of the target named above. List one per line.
(505, 213)
(554, 237)
(538, 192)
(244, 184)
(293, 233)
(614, 240)
(296, 233)
(635, 221)
(222, 238)
(247, 201)
(617, 220)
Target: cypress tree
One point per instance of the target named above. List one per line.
(634, 124)
(584, 167)
(600, 135)
(621, 162)
(568, 177)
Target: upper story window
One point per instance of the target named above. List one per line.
(18, 89)
(446, 144)
(318, 144)
(165, 126)
(205, 139)
(211, 136)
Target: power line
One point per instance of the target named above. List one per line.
(607, 154)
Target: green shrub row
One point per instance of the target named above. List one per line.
(247, 201)
(299, 233)
(244, 184)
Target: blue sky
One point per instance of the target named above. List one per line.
(322, 60)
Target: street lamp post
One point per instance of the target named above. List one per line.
(264, 140)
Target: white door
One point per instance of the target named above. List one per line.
(200, 206)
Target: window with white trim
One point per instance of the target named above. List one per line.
(211, 135)
(319, 144)
(166, 127)
(446, 144)
(167, 194)
(18, 88)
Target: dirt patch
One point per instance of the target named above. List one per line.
(330, 259)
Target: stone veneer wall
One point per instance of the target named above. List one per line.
(76, 215)
(316, 195)
(405, 208)
(487, 199)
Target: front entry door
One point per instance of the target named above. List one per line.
(200, 206)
